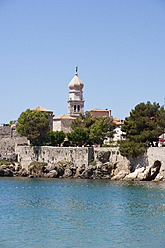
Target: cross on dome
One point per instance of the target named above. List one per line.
(76, 83)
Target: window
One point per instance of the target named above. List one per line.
(74, 108)
(78, 108)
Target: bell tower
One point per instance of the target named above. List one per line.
(76, 100)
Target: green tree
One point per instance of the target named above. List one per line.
(101, 129)
(142, 128)
(84, 121)
(78, 137)
(34, 125)
(56, 138)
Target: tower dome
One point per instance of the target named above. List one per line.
(76, 83)
(76, 99)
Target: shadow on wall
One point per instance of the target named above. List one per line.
(139, 162)
(154, 170)
(37, 151)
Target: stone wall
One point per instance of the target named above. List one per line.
(112, 156)
(157, 154)
(108, 161)
(77, 155)
(145, 161)
(8, 139)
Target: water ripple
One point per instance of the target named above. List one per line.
(81, 213)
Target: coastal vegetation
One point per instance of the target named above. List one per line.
(142, 128)
(55, 138)
(6, 162)
(96, 129)
(79, 136)
(101, 129)
(34, 125)
(86, 130)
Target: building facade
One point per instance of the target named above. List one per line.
(100, 112)
(62, 122)
(118, 132)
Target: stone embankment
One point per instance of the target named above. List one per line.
(11, 170)
(100, 163)
(78, 162)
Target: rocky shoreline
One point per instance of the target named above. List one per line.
(99, 170)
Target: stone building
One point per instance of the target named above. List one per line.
(62, 122)
(118, 132)
(100, 112)
(76, 100)
(49, 112)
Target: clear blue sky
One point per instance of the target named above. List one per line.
(118, 45)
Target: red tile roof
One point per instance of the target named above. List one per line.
(64, 117)
(40, 108)
(98, 110)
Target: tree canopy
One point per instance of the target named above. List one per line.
(101, 129)
(79, 136)
(83, 121)
(34, 125)
(97, 128)
(55, 138)
(142, 128)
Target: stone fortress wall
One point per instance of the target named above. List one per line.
(9, 138)
(77, 155)
(145, 167)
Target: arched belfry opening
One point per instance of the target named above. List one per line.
(76, 100)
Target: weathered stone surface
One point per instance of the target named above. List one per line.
(8, 173)
(109, 164)
(120, 175)
(80, 170)
(96, 174)
(52, 174)
(24, 173)
(87, 173)
(60, 171)
(1, 172)
(103, 156)
(8, 139)
(52, 155)
(17, 167)
(67, 173)
(134, 175)
(31, 176)
(149, 173)
(49, 168)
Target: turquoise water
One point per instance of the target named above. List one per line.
(81, 213)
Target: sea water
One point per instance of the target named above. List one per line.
(81, 213)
